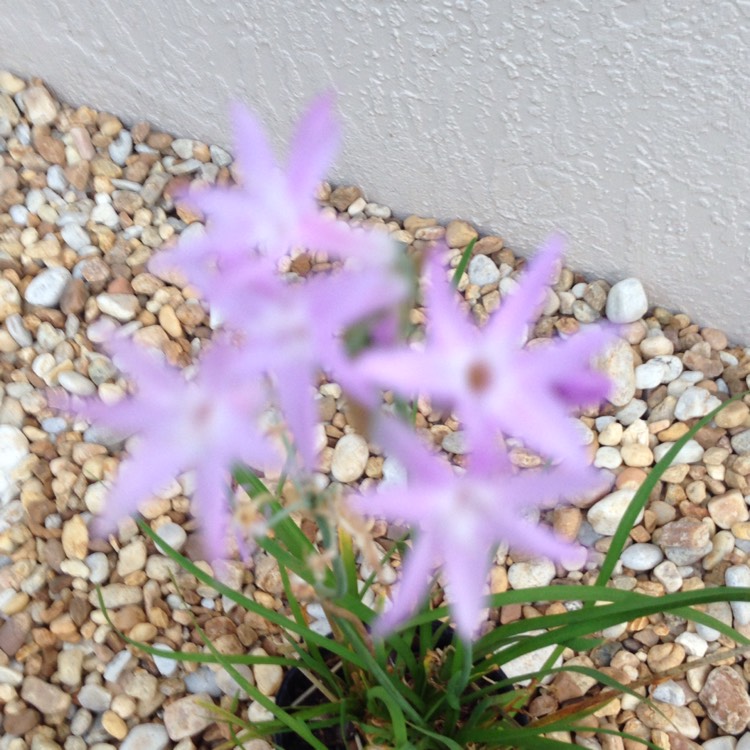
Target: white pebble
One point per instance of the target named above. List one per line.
(739, 575)
(525, 575)
(641, 557)
(349, 458)
(690, 453)
(47, 287)
(627, 301)
(695, 402)
(166, 666)
(650, 374)
(75, 383)
(693, 644)
(14, 447)
(605, 515)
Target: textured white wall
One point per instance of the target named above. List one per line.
(623, 123)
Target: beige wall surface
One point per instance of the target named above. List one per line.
(624, 123)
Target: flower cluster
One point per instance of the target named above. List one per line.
(279, 331)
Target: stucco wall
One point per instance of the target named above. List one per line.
(624, 124)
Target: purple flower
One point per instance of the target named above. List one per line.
(205, 424)
(273, 211)
(494, 383)
(460, 519)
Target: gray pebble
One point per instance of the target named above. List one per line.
(641, 557)
(121, 147)
(482, 271)
(75, 236)
(47, 287)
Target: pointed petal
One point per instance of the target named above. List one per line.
(313, 147)
(411, 590)
(295, 392)
(255, 158)
(210, 505)
(447, 325)
(538, 540)
(466, 572)
(522, 308)
(142, 475)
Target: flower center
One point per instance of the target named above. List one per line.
(479, 376)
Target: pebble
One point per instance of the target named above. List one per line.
(627, 301)
(94, 698)
(75, 383)
(121, 147)
(525, 575)
(455, 442)
(38, 105)
(174, 535)
(690, 453)
(739, 575)
(459, 233)
(349, 458)
(166, 666)
(532, 662)
(122, 307)
(10, 300)
(641, 557)
(606, 514)
(14, 447)
(695, 402)
(47, 698)
(684, 541)
(46, 288)
(725, 698)
(483, 271)
(185, 717)
(741, 442)
(146, 737)
(670, 692)
(618, 364)
(650, 374)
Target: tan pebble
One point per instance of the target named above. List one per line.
(498, 580)
(733, 415)
(567, 522)
(114, 725)
(715, 338)
(459, 233)
(637, 455)
(343, 197)
(741, 530)
(488, 245)
(169, 322)
(674, 432)
(676, 473)
(143, 631)
(103, 167)
(630, 478)
(152, 335)
(75, 538)
(611, 434)
(413, 222)
(15, 604)
(728, 509)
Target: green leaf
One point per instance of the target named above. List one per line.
(461, 267)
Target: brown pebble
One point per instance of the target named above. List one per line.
(17, 724)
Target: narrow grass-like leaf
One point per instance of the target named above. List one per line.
(463, 262)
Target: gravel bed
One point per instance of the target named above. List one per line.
(84, 203)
